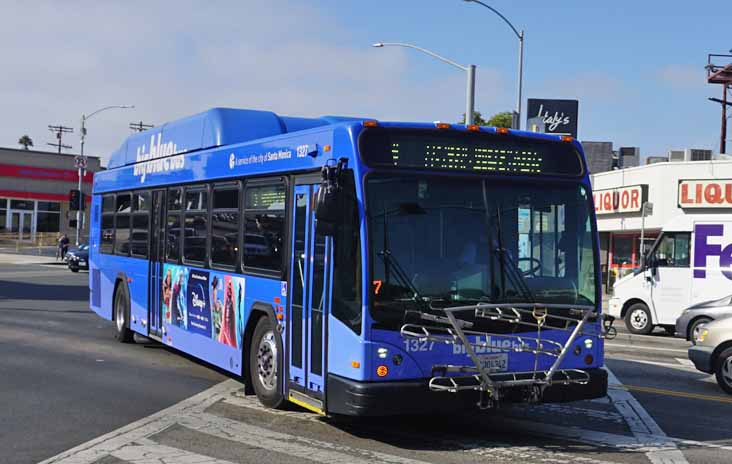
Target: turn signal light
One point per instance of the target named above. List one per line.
(371, 123)
(382, 370)
(502, 130)
(326, 148)
(589, 359)
(355, 364)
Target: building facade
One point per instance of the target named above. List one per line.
(673, 188)
(34, 195)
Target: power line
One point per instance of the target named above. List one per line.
(60, 131)
(140, 126)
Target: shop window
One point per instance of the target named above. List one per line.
(49, 206)
(622, 251)
(47, 222)
(672, 250)
(21, 204)
(264, 227)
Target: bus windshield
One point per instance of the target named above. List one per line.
(465, 240)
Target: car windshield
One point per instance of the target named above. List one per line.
(453, 240)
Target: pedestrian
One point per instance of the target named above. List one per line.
(64, 245)
(59, 247)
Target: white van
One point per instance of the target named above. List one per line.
(690, 262)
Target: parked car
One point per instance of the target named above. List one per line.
(78, 258)
(691, 320)
(713, 351)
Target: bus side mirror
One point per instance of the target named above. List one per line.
(329, 200)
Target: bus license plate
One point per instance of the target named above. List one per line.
(494, 362)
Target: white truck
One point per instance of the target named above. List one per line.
(690, 262)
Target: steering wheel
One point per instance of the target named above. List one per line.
(534, 266)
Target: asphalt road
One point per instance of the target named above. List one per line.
(66, 386)
(63, 377)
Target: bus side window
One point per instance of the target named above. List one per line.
(107, 228)
(172, 230)
(140, 224)
(225, 225)
(264, 226)
(122, 225)
(195, 225)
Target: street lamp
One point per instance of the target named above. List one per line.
(470, 69)
(81, 160)
(520, 36)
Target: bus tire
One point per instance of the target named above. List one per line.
(638, 319)
(723, 370)
(265, 363)
(123, 334)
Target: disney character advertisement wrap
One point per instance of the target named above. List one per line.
(199, 312)
(207, 303)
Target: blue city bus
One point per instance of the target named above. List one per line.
(353, 266)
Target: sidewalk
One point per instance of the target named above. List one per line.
(18, 258)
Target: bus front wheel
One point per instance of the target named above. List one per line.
(122, 315)
(638, 319)
(265, 363)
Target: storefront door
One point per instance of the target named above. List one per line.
(21, 225)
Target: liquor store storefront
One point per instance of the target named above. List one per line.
(668, 190)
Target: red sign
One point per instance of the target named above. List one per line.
(620, 200)
(705, 193)
(28, 172)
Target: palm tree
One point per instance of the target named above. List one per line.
(25, 141)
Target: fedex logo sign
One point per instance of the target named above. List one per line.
(712, 242)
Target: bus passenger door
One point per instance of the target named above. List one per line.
(157, 250)
(310, 282)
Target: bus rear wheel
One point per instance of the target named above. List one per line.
(265, 363)
(122, 316)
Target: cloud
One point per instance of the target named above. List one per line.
(172, 59)
(682, 77)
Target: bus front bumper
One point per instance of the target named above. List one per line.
(354, 398)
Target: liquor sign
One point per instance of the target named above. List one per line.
(559, 116)
(715, 193)
(620, 200)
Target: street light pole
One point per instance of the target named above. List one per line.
(470, 70)
(81, 164)
(520, 36)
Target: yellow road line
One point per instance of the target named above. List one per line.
(661, 391)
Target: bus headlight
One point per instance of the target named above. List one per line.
(588, 343)
(382, 353)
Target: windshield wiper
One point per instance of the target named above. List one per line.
(514, 274)
(391, 264)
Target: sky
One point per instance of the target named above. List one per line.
(636, 67)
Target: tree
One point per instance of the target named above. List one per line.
(477, 119)
(25, 141)
(504, 119)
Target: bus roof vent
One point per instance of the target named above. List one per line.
(212, 128)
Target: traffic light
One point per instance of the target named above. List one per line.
(76, 200)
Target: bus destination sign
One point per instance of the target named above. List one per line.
(468, 152)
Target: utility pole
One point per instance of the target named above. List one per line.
(721, 74)
(139, 126)
(60, 131)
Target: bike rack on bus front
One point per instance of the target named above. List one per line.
(451, 330)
